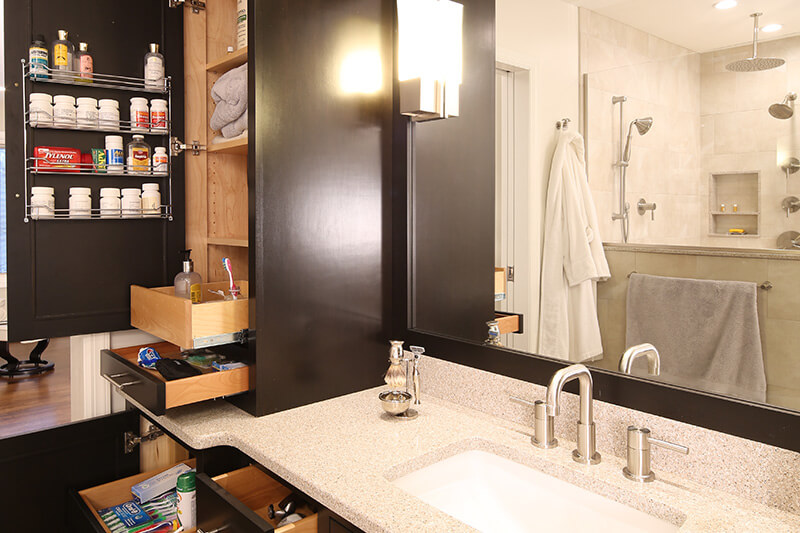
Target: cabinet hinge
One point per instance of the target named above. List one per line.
(196, 5)
(132, 440)
(177, 146)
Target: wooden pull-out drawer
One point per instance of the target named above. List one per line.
(152, 391)
(212, 322)
(508, 322)
(117, 492)
(237, 502)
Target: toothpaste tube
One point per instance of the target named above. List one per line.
(227, 366)
(57, 159)
(147, 357)
(158, 484)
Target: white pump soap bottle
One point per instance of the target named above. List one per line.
(187, 283)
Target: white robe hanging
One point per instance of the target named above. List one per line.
(573, 260)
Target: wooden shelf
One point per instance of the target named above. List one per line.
(237, 146)
(228, 61)
(225, 241)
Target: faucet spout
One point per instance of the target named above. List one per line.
(586, 452)
(634, 352)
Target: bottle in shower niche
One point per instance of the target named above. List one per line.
(84, 63)
(63, 54)
(153, 67)
(38, 58)
(138, 156)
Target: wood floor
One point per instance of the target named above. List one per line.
(37, 402)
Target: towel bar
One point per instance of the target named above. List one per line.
(767, 285)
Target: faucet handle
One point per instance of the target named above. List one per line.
(639, 445)
(544, 424)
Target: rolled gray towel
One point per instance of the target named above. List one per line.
(236, 127)
(230, 95)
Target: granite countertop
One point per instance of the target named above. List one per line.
(344, 452)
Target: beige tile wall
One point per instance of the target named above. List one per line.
(661, 80)
(738, 133)
(778, 308)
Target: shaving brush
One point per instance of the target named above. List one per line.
(396, 376)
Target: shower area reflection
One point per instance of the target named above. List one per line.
(719, 162)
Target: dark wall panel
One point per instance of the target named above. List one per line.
(452, 193)
(319, 189)
(71, 277)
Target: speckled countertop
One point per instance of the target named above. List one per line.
(345, 452)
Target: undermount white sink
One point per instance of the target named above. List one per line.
(493, 494)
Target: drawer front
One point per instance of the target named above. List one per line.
(220, 512)
(133, 382)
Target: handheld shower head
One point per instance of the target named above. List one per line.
(783, 110)
(643, 125)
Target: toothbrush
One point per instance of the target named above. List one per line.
(234, 290)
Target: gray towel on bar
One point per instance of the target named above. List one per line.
(706, 332)
(230, 94)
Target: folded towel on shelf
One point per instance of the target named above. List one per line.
(230, 95)
(706, 331)
(236, 127)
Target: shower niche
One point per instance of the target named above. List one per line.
(735, 205)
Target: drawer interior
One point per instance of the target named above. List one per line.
(117, 492)
(208, 385)
(257, 490)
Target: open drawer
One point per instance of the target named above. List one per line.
(211, 322)
(238, 502)
(508, 322)
(151, 390)
(117, 492)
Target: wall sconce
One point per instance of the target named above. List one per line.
(430, 62)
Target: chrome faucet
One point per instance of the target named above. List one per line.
(634, 352)
(586, 453)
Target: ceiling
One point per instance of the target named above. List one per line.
(696, 24)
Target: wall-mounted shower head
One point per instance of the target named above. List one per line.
(755, 63)
(643, 125)
(783, 110)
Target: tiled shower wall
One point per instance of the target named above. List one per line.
(778, 308)
(706, 120)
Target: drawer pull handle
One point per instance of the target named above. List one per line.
(120, 386)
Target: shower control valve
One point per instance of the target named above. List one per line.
(643, 206)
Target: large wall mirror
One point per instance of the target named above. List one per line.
(664, 210)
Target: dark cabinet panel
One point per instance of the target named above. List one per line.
(70, 277)
(319, 186)
(452, 194)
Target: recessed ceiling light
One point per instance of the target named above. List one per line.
(769, 28)
(726, 4)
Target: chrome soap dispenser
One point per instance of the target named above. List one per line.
(187, 283)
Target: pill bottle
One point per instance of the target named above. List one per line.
(158, 115)
(43, 202)
(131, 203)
(80, 202)
(154, 68)
(138, 156)
(109, 114)
(160, 161)
(140, 114)
(88, 117)
(151, 200)
(40, 109)
(64, 113)
(115, 162)
(110, 204)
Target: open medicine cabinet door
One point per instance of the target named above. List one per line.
(68, 276)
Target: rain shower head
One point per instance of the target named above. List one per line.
(783, 110)
(643, 125)
(755, 63)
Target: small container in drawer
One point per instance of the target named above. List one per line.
(152, 391)
(212, 322)
(116, 492)
(239, 501)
